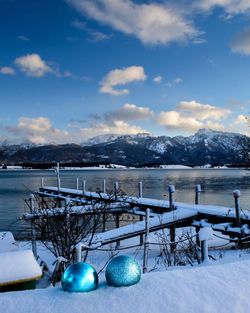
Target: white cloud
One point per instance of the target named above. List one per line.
(190, 116)
(129, 112)
(152, 23)
(230, 6)
(157, 79)
(174, 120)
(202, 111)
(6, 70)
(37, 130)
(33, 65)
(241, 42)
(121, 77)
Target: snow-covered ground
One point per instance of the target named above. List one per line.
(220, 286)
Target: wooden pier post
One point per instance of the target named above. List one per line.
(77, 183)
(198, 243)
(146, 244)
(33, 230)
(205, 234)
(58, 177)
(83, 187)
(104, 222)
(104, 186)
(236, 195)
(197, 193)
(67, 221)
(141, 217)
(141, 236)
(42, 182)
(197, 201)
(140, 189)
(204, 251)
(78, 251)
(171, 191)
(116, 189)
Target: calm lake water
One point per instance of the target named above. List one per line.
(217, 187)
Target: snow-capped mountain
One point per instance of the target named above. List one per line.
(206, 146)
(99, 139)
(110, 138)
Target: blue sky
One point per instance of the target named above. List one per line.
(74, 69)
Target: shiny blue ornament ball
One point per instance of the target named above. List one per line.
(80, 277)
(123, 271)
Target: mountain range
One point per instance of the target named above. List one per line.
(204, 147)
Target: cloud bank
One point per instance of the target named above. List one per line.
(185, 117)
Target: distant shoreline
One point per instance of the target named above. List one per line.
(123, 168)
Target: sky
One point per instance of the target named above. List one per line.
(74, 69)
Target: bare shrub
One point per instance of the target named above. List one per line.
(185, 249)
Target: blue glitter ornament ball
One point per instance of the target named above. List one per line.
(123, 271)
(80, 277)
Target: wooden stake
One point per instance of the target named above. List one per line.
(141, 236)
(33, 229)
(104, 222)
(78, 250)
(116, 188)
(236, 195)
(140, 189)
(204, 251)
(171, 190)
(83, 187)
(197, 193)
(104, 186)
(141, 217)
(58, 177)
(145, 255)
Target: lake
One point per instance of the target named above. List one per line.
(217, 187)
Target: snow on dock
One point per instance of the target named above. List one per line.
(155, 223)
(88, 195)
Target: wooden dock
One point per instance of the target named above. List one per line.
(152, 215)
(163, 213)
